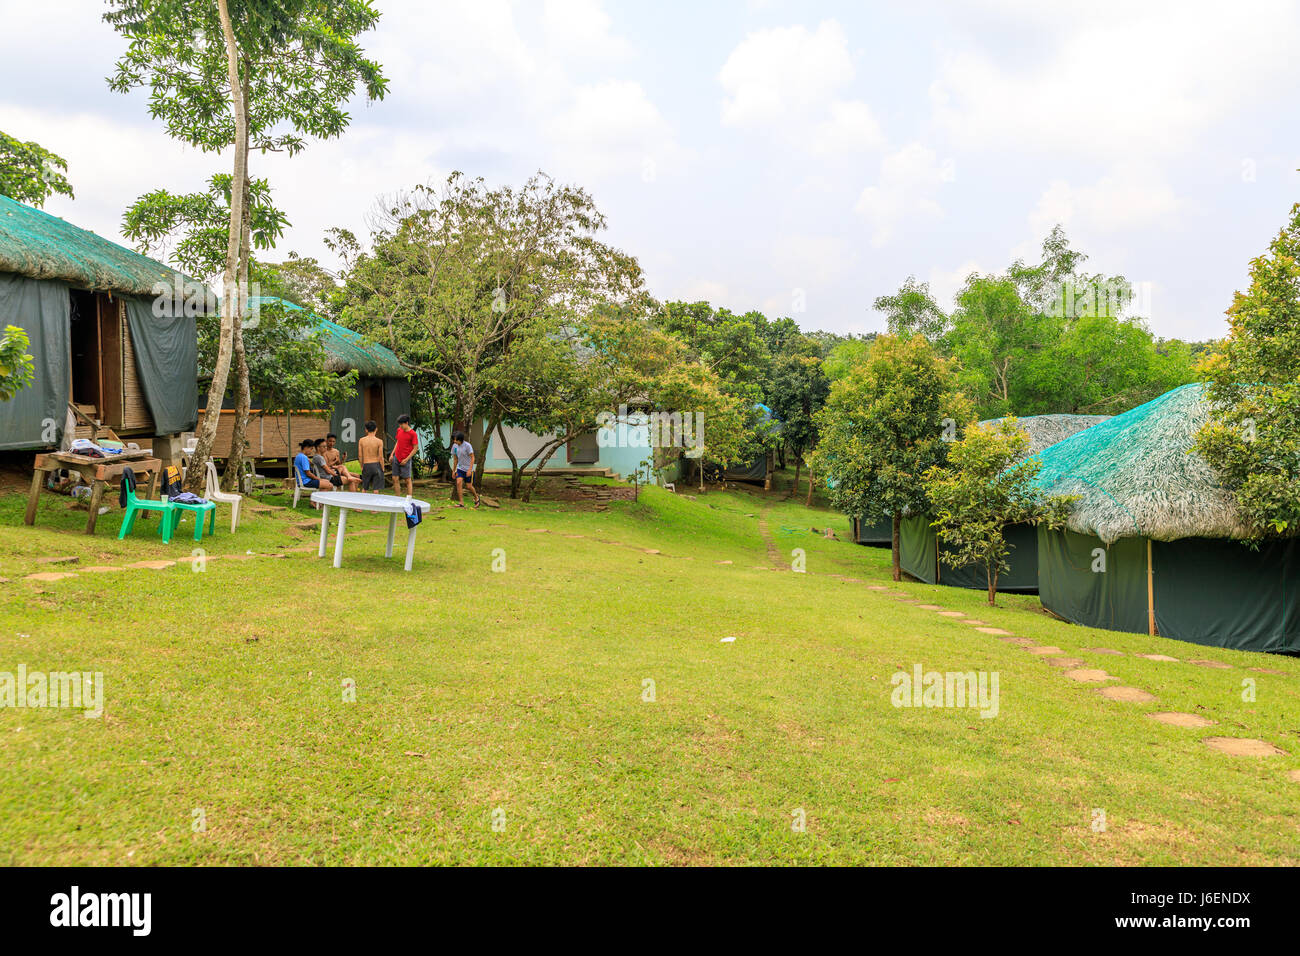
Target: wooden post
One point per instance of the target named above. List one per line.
(34, 495)
(96, 493)
(1151, 594)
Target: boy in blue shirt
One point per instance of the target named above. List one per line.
(306, 473)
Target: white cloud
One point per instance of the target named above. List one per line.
(614, 128)
(581, 28)
(908, 187)
(1117, 80)
(789, 82)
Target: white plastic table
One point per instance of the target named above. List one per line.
(346, 501)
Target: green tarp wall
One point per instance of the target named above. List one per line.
(1222, 594)
(1073, 584)
(1208, 591)
(397, 401)
(36, 415)
(166, 360)
(877, 533)
(918, 547)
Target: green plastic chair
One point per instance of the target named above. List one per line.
(205, 513)
(136, 505)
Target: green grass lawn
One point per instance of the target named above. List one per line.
(517, 697)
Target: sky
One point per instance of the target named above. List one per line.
(800, 159)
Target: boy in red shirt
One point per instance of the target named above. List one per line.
(403, 452)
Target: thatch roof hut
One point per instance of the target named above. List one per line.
(112, 332)
(1150, 545)
(921, 552)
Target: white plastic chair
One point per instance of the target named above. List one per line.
(299, 490)
(212, 491)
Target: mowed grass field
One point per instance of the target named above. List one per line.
(502, 717)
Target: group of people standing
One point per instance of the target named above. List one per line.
(319, 464)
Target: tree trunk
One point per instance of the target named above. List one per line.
(897, 522)
(243, 391)
(993, 586)
(230, 304)
(516, 472)
(537, 472)
(798, 469)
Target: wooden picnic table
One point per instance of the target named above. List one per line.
(98, 471)
(346, 501)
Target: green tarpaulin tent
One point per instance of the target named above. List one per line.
(1151, 545)
(921, 554)
(878, 533)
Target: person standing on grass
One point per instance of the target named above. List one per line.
(462, 453)
(370, 451)
(403, 452)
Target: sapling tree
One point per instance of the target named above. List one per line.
(986, 485)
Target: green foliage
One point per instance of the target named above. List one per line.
(30, 173)
(16, 368)
(299, 65)
(191, 229)
(913, 311)
(885, 425)
(286, 360)
(1253, 438)
(986, 485)
(1048, 338)
(451, 277)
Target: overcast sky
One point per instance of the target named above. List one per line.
(771, 155)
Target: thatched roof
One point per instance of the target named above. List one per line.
(35, 244)
(1046, 430)
(1137, 475)
(348, 350)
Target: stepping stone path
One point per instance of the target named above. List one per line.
(974, 623)
(64, 559)
(50, 576)
(929, 607)
(951, 614)
(1128, 694)
(1158, 657)
(1044, 651)
(1065, 661)
(993, 630)
(725, 562)
(1103, 650)
(1243, 747)
(547, 531)
(1086, 675)
(870, 587)
(102, 569)
(1215, 664)
(1293, 775)
(153, 565)
(1176, 719)
(1266, 670)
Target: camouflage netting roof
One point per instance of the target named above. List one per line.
(1046, 430)
(1138, 476)
(35, 244)
(349, 350)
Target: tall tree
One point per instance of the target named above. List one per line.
(30, 173)
(249, 76)
(1253, 437)
(885, 424)
(451, 275)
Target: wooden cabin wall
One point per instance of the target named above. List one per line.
(268, 435)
